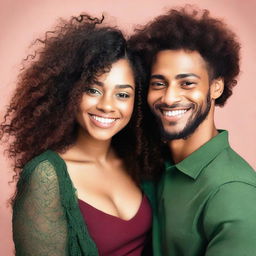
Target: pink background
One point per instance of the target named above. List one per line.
(22, 21)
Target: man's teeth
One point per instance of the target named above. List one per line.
(103, 120)
(175, 112)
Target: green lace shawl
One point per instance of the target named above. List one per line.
(46, 217)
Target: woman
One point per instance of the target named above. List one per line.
(74, 146)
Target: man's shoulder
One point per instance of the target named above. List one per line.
(229, 166)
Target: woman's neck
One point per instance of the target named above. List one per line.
(87, 148)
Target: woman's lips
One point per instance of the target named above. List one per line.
(102, 122)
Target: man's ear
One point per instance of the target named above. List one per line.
(217, 87)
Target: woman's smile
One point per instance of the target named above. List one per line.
(103, 122)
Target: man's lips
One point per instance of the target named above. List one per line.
(176, 112)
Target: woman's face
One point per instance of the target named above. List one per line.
(106, 106)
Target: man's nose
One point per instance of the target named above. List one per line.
(172, 95)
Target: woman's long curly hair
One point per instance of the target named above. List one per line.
(41, 114)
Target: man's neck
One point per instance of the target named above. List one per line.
(182, 148)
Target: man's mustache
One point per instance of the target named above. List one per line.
(173, 106)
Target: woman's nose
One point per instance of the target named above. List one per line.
(106, 104)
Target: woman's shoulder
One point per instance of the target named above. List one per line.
(50, 157)
(48, 170)
(47, 162)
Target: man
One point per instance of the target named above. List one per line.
(206, 197)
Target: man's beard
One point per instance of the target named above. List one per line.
(191, 125)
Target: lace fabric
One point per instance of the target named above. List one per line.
(39, 223)
(46, 217)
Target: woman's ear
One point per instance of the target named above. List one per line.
(217, 87)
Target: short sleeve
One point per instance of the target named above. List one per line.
(230, 221)
(39, 222)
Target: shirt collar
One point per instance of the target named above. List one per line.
(194, 163)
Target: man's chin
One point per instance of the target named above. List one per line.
(174, 136)
(184, 133)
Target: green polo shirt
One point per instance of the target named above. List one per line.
(207, 204)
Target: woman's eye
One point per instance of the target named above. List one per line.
(123, 95)
(92, 91)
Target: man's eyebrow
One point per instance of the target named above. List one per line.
(157, 77)
(180, 76)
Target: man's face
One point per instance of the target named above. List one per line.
(179, 92)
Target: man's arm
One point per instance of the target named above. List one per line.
(230, 221)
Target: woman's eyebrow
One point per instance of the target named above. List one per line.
(99, 83)
(118, 86)
(124, 86)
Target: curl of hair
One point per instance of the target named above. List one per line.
(41, 114)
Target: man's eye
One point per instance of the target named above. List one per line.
(187, 83)
(92, 91)
(157, 84)
(123, 95)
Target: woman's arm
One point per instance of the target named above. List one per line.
(39, 222)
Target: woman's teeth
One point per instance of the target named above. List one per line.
(103, 119)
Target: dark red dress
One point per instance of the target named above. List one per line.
(114, 236)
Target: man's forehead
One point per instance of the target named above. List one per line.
(180, 60)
